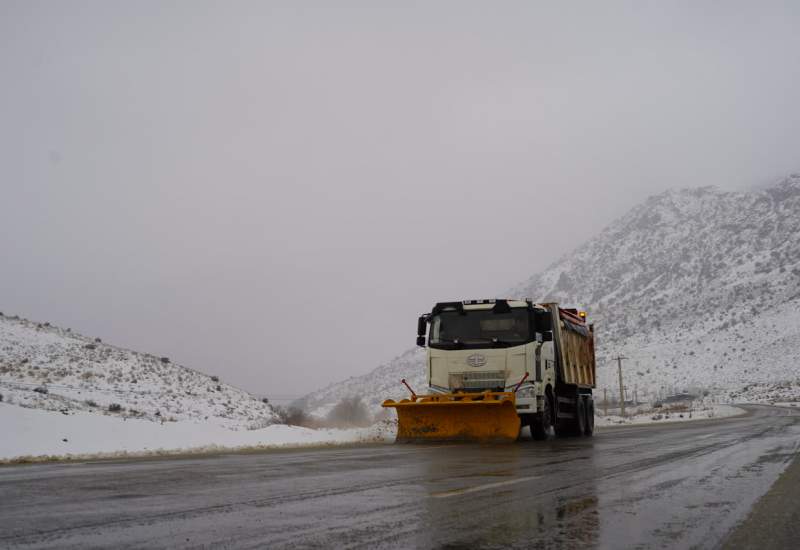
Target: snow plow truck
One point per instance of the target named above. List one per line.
(495, 366)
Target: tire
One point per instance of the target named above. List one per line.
(588, 428)
(543, 421)
(563, 427)
(580, 416)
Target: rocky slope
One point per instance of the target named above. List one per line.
(698, 288)
(50, 368)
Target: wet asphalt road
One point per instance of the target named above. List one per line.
(662, 486)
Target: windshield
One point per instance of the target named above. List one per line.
(480, 328)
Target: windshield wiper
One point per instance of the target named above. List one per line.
(500, 342)
(454, 343)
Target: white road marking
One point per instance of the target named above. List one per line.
(466, 490)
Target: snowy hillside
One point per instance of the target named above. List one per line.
(698, 288)
(45, 367)
(374, 387)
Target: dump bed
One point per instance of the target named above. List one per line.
(574, 341)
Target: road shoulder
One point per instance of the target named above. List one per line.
(774, 521)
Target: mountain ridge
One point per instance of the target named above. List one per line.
(694, 285)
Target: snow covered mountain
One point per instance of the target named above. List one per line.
(698, 288)
(55, 369)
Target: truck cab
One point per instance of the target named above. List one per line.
(491, 345)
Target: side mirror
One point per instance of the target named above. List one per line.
(543, 320)
(422, 325)
(547, 336)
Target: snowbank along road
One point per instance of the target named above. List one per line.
(674, 486)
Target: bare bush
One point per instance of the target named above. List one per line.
(115, 407)
(41, 389)
(350, 412)
(292, 416)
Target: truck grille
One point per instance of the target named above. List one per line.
(477, 380)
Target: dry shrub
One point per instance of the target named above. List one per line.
(350, 412)
(292, 416)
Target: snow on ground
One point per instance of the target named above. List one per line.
(65, 395)
(34, 434)
(31, 435)
(655, 416)
(48, 367)
(769, 393)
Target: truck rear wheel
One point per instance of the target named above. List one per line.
(588, 429)
(543, 421)
(580, 416)
(564, 418)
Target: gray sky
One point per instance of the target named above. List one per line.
(272, 191)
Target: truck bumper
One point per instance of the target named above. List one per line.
(526, 405)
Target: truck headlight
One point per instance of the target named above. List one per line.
(525, 392)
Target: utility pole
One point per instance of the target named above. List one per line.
(605, 403)
(619, 359)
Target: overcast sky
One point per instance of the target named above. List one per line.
(272, 191)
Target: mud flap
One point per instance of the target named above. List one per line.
(482, 417)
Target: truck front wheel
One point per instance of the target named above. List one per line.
(543, 421)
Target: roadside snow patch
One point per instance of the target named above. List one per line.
(715, 411)
(32, 434)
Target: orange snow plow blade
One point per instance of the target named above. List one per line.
(488, 416)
